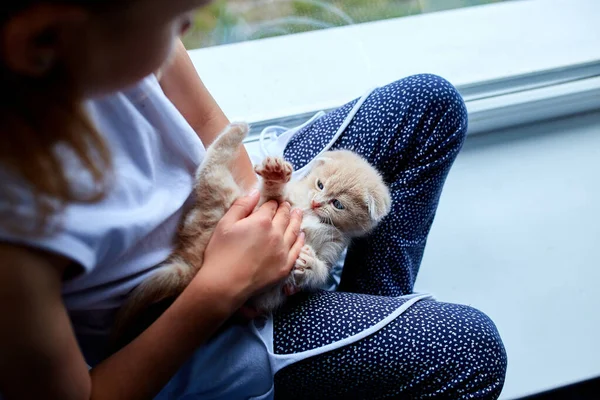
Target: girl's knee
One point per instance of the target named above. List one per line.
(488, 335)
(485, 354)
(432, 96)
(431, 89)
(470, 359)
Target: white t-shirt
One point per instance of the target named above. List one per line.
(119, 240)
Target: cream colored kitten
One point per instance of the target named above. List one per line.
(342, 197)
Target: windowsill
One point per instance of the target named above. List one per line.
(485, 51)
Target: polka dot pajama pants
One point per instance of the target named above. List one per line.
(411, 130)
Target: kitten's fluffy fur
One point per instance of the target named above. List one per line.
(339, 178)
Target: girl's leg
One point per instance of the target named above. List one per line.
(411, 130)
(433, 350)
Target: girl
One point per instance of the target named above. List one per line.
(97, 161)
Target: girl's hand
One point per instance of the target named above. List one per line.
(249, 251)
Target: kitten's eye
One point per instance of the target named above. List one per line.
(337, 204)
(319, 184)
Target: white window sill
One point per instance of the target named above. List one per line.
(487, 52)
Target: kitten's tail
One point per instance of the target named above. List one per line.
(135, 315)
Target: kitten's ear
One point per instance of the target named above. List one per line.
(378, 206)
(322, 160)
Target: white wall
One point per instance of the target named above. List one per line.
(517, 235)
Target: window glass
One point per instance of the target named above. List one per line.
(231, 21)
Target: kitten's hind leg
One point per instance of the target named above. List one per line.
(216, 189)
(275, 173)
(224, 148)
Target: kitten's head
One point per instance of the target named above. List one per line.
(346, 191)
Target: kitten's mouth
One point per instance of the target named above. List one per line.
(322, 219)
(325, 220)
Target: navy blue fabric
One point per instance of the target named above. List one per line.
(411, 130)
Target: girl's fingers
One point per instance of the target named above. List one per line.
(282, 217)
(295, 251)
(293, 229)
(242, 207)
(266, 210)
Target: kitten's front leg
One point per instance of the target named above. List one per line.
(275, 173)
(309, 271)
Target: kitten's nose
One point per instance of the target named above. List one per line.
(315, 204)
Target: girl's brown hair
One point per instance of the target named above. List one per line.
(41, 119)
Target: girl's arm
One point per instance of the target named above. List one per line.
(40, 358)
(39, 355)
(182, 85)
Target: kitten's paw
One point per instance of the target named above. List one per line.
(304, 264)
(299, 276)
(307, 256)
(275, 169)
